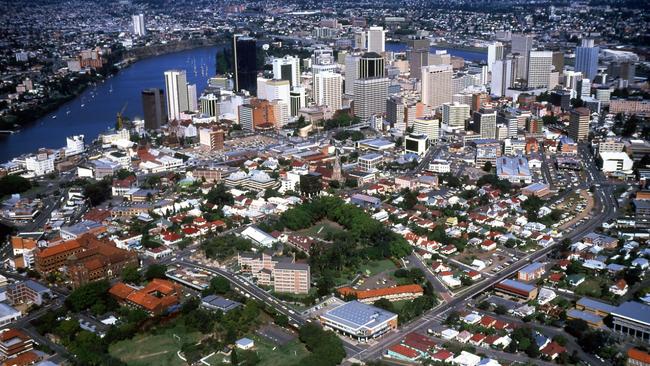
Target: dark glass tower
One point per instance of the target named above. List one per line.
(153, 105)
(245, 62)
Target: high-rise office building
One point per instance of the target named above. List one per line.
(485, 121)
(495, 52)
(298, 97)
(209, 105)
(323, 61)
(272, 89)
(441, 57)
(244, 62)
(176, 91)
(436, 85)
(153, 106)
(402, 110)
(327, 89)
(376, 39)
(540, 64)
(584, 88)
(351, 72)
(558, 61)
(138, 25)
(192, 98)
(579, 124)
(587, 59)
(501, 77)
(371, 88)
(428, 126)
(417, 55)
(287, 68)
(522, 44)
(212, 138)
(360, 40)
(455, 114)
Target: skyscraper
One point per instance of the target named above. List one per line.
(522, 44)
(579, 124)
(486, 123)
(287, 68)
(436, 85)
(455, 114)
(587, 59)
(360, 40)
(495, 52)
(540, 64)
(244, 62)
(371, 88)
(327, 89)
(427, 126)
(273, 89)
(138, 25)
(417, 55)
(192, 98)
(176, 90)
(351, 72)
(153, 106)
(298, 100)
(376, 39)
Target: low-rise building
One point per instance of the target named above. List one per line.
(531, 272)
(516, 289)
(359, 321)
(156, 298)
(397, 293)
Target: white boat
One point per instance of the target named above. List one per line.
(83, 105)
(53, 117)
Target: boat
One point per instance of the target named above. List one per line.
(53, 117)
(67, 112)
(82, 105)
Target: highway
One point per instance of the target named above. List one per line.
(604, 209)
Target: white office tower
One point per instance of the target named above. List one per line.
(584, 88)
(427, 126)
(138, 25)
(571, 79)
(436, 85)
(441, 57)
(176, 92)
(484, 74)
(495, 52)
(370, 97)
(323, 61)
(502, 74)
(327, 89)
(351, 72)
(287, 68)
(192, 98)
(298, 97)
(376, 39)
(455, 114)
(272, 89)
(522, 44)
(540, 64)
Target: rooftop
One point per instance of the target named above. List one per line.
(355, 315)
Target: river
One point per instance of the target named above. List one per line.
(94, 111)
(466, 54)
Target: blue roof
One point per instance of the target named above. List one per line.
(517, 285)
(533, 267)
(593, 304)
(633, 310)
(584, 315)
(355, 315)
(36, 286)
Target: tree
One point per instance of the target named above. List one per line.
(219, 196)
(576, 327)
(98, 192)
(156, 271)
(11, 184)
(218, 285)
(131, 274)
(487, 167)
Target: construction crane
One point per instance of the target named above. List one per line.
(120, 117)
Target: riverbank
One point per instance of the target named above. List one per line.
(17, 120)
(447, 46)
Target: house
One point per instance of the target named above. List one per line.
(401, 352)
(464, 336)
(442, 356)
(466, 359)
(477, 339)
(619, 288)
(552, 350)
(575, 279)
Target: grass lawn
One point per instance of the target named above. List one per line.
(289, 354)
(154, 349)
(376, 267)
(321, 228)
(592, 287)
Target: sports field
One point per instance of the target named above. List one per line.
(154, 349)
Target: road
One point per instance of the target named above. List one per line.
(604, 210)
(244, 286)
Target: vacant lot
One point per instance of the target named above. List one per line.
(154, 349)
